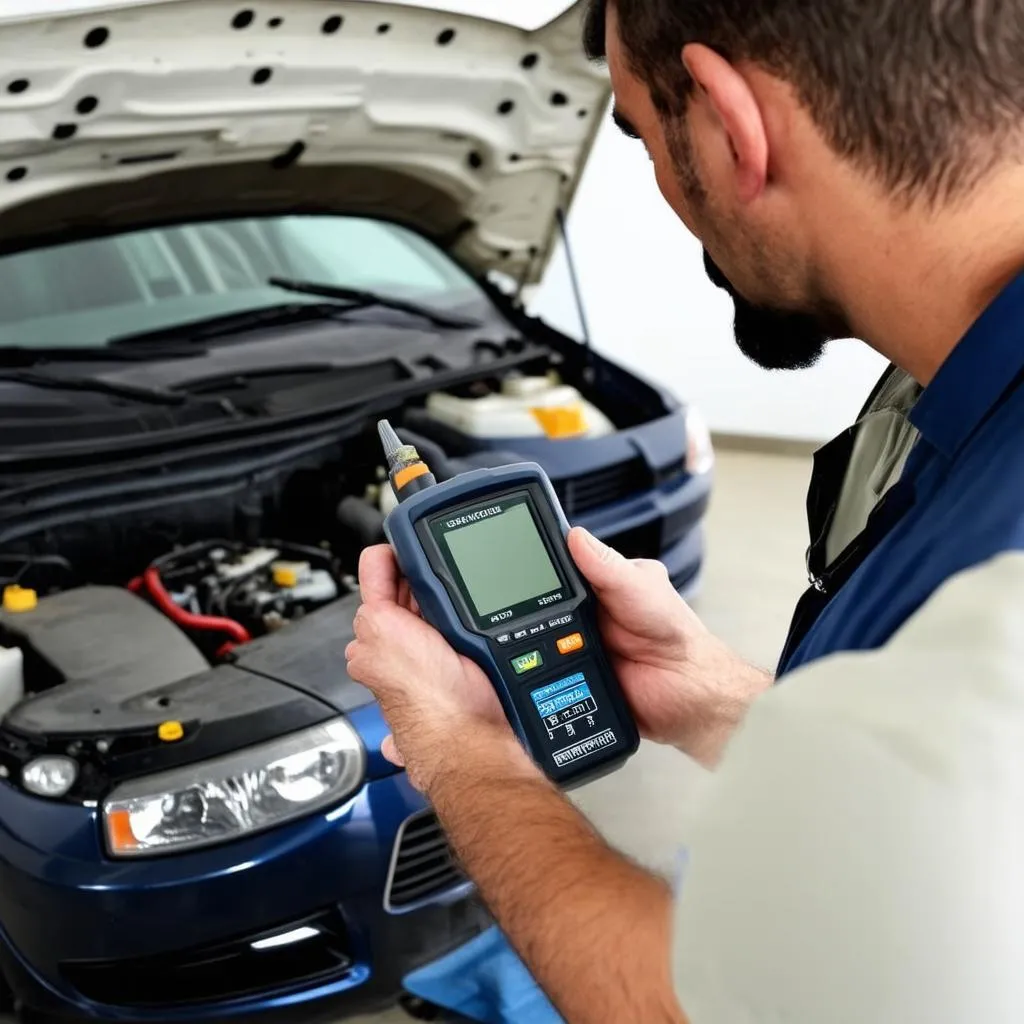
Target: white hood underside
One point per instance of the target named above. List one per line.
(130, 114)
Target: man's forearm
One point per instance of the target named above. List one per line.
(593, 928)
(713, 703)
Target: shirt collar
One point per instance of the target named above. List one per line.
(987, 360)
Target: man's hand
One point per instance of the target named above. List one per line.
(593, 928)
(685, 686)
(432, 698)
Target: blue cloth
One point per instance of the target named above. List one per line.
(486, 982)
(965, 481)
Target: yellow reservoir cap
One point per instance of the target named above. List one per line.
(171, 732)
(286, 576)
(561, 421)
(19, 599)
(289, 574)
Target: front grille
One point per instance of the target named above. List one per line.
(640, 542)
(604, 486)
(216, 973)
(679, 524)
(422, 864)
(685, 578)
(671, 473)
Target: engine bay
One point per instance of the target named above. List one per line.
(137, 636)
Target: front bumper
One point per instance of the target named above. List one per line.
(87, 938)
(663, 524)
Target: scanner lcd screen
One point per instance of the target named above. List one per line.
(502, 559)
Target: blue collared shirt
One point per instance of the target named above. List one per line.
(966, 481)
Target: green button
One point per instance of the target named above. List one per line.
(527, 662)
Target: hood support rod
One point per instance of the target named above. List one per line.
(577, 291)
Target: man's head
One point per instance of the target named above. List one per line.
(763, 117)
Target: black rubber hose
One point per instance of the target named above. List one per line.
(431, 453)
(363, 519)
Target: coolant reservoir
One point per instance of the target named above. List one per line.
(12, 678)
(525, 407)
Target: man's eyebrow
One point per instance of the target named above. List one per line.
(624, 124)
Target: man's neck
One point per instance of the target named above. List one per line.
(917, 280)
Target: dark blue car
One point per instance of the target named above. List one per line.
(230, 242)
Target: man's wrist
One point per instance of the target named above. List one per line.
(488, 754)
(732, 686)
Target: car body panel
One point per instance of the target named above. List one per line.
(471, 131)
(62, 900)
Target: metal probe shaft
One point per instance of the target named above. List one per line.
(408, 473)
(389, 439)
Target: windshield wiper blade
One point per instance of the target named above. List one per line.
(151, 396)
(226, 325)
(361, 299)
(13, 356)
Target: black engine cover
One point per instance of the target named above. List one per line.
(116, 669)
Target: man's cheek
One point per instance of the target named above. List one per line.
(673, 194)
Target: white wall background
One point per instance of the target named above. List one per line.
(651, 306)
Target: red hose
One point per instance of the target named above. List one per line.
(188, 620)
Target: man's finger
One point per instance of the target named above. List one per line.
(378, 575)
(390, 751)
(405, 598)
(603, 566)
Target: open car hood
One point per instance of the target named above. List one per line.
(130, 114)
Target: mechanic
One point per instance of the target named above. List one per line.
(853, 169)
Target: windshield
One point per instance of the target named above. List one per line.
(85, 293)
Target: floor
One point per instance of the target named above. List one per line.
(755, 573)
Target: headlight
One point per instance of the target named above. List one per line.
(50, 776)
(235, 796)
(700, 453)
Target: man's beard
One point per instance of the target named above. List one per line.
(775, 339)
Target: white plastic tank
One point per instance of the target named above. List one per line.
(12, 678)
(525, 407)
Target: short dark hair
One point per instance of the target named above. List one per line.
(926, 94)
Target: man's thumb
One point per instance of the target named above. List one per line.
(601, 565)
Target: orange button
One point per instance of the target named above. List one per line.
(568, 644)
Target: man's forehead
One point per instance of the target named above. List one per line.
(612, 42)
(628, 89)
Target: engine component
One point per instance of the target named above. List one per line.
(12, 678)
(108, 722)
(68, 638)
(361, 518)
(151, 586)
(525, 407)
(229, 592)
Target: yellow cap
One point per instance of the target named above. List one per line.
(286, 576)
(561, 421)
(19, 599)
(171, 732)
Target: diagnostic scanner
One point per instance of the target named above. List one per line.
(485, 556)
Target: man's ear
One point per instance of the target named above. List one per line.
(735, 109)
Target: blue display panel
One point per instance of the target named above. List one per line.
(568, 709)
